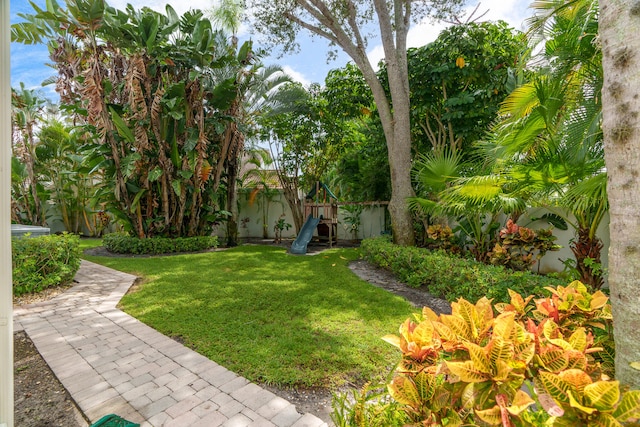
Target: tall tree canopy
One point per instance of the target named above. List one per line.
(345, 25)
(458, 82)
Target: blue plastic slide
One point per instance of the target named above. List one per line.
(299, 246)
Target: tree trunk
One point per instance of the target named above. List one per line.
(587, 247)
(619, 23)
(232, 200)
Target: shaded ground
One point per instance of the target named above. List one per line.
(40, 399)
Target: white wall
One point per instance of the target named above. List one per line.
(373, 224)
(250, 217)
(552, 260)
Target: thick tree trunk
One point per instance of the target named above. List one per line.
(619, 23)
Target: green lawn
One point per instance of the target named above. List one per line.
(272, 317)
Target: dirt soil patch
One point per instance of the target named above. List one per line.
(40, 399)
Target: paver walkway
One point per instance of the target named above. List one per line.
(112, 363)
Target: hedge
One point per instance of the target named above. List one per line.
(122, 243)
(450, 276)
(44, 261)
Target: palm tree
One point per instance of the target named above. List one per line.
(549, 140)
(28, 109)
(475, 202)
(262, 185)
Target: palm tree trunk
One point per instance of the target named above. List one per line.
(621, 126)
(588, 248)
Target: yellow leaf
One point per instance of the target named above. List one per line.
(598, 300)
(392, 339)
(602, 395)
(460, 62)
(635, 365)
(466, 371)
(503, 325)
(333, 265)
(629, 407)
(404, 391)
(457, 325)
(556, 387)
(490, 416)
(422, 335)
(499, 350)
(479, 358)
(578, 339)
(554, 360)
(574, 403)
(521, 401)
(577, 378)
(425, 384)
(606, 420)
(427, 313)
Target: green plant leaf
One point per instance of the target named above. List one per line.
(602, 395)
(629, 406)
(121, 126)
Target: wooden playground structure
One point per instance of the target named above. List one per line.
(322, 203)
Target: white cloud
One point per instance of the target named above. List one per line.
(159, 5)
(512, 11)
(296, 75)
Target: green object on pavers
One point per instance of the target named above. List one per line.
(114, 421)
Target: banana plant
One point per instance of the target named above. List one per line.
(145, 84)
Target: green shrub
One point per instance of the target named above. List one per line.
(450, 276)
(43, 262)
(122, 243)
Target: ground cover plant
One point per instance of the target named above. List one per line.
(267, 315)
(44, 261)
(451, 276)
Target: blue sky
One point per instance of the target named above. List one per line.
(310, 65)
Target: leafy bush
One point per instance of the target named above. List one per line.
(450, 276)
(516, 246)
(122, 243)
(43, 262)
(531, 365)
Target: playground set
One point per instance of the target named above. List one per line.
(321, 211)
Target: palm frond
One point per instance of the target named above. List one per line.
(433, 171)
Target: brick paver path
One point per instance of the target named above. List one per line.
(112, 363)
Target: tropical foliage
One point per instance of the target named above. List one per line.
(458, 82)
(530, 365)
(155, 94)
(26, 189)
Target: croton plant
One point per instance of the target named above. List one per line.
(526, 363)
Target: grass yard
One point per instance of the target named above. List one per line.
(272, 317)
